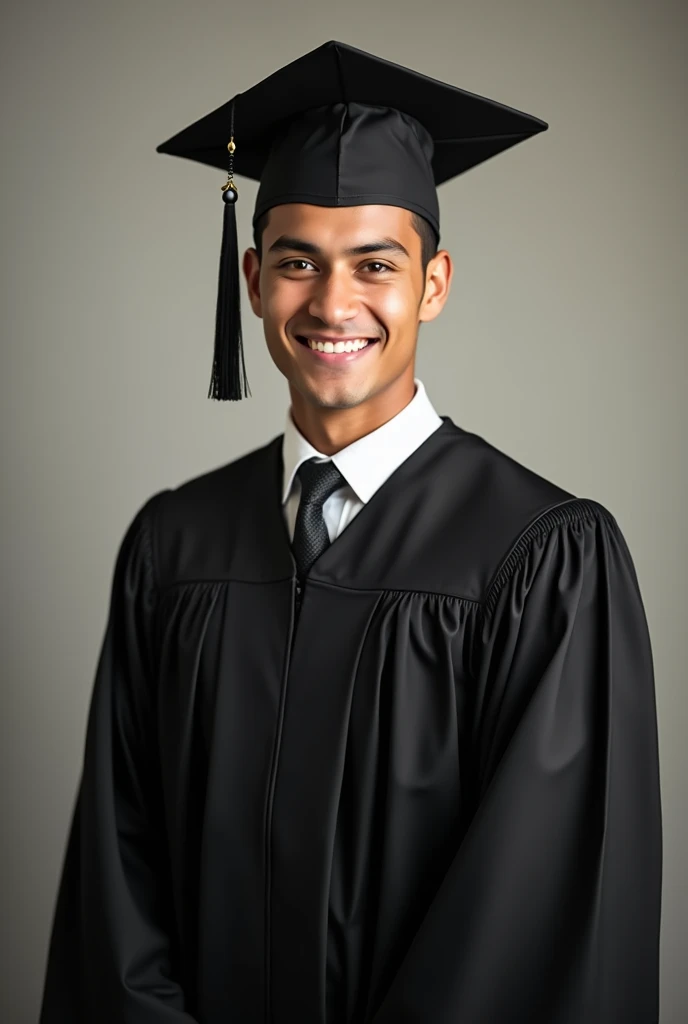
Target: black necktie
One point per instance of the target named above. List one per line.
(318, 481)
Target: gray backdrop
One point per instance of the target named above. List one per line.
(563, 341)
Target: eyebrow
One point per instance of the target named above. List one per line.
(290, 243)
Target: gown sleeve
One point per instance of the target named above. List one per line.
(549, 912)
(110, 950)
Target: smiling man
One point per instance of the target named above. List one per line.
(342, 292)
(373, 734)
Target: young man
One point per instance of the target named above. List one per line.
(373, 735)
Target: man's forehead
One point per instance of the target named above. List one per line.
(341, 227)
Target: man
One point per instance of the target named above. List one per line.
(373, 735)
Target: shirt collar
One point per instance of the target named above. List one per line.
(366, 463)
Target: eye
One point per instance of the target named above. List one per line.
(376, 263)
(289, 264)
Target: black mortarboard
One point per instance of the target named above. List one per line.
(338, 127)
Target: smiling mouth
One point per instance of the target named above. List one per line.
(335, 347)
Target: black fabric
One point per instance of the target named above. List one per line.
(352, 154)
(465, 128)
(433, 798)
(318, 481)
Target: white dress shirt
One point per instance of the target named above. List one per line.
(365, 464)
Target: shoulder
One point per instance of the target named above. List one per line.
(498, 478)
(502, 508)
(199, 500)
(537, 526)
(187, 527)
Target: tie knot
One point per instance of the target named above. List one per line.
(318, 481)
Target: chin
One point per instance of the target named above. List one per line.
(335, 396)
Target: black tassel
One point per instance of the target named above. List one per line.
(229, 372)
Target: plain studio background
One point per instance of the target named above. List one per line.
(563, 341)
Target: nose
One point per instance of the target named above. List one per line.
(334, 299)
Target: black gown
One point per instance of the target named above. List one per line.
(430, 797)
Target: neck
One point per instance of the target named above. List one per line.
(331, 429)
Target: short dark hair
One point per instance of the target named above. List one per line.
(428, 239)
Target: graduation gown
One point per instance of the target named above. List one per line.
(423, 791)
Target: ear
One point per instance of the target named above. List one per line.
(437, 285)
(251, 268)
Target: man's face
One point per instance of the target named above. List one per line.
(336, 274)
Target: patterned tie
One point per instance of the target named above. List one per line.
(318, 481)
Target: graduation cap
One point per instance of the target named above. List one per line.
(337, 127)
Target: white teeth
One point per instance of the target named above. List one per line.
(339, 346)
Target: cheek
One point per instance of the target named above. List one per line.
(282, 301)
(392, 305)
